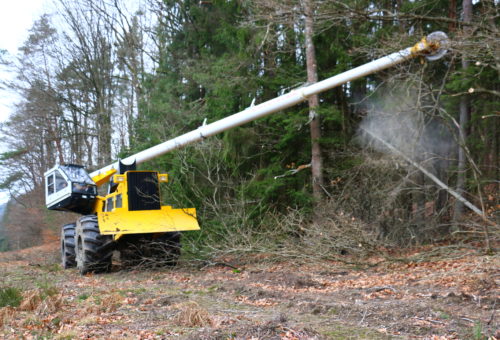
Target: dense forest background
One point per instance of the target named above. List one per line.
(99, 80)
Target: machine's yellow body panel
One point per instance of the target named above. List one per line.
(116, 219)
(122, 221)
(102, 178)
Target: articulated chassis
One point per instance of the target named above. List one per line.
(130, 218)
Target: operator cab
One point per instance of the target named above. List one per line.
(69, 188)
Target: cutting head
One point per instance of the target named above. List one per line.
(438, 45)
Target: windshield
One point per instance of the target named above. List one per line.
(76, 174)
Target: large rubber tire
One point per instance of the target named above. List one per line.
(93, 250)
(68, 256)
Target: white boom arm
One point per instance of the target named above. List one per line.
(433, 47)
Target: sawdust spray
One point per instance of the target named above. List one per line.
(400, 122)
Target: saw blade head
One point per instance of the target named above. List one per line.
(440, 43)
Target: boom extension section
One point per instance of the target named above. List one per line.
(432, 47)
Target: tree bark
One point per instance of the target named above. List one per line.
(464, 110)
(315, 122)
(452, 14)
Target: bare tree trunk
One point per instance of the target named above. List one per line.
(418, 198)
(452, 14)
(402, 24)
(103, 133)
(463, 121)
(315, 125)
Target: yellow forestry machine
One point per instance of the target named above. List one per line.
(130, 217)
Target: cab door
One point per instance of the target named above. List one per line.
(57, 187)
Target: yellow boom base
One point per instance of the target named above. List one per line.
(147, 221)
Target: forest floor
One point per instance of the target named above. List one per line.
(455, 296)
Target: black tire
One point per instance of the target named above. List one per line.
(68, 256)
(93, 250)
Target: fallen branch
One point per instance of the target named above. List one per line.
(492, 314)
(434, 178)
(379, 289)
(294, 171)
(430, 320)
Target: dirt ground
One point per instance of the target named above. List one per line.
(452, 297)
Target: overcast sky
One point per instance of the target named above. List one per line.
(16, 18)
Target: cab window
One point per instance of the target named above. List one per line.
(109, 204)
(118, 202)
(60, 181)
(50, 184)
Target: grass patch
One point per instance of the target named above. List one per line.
(477, 331)
(132, 291)
(83, 297)
(444, 316)
(88, 320)
(46, 290)
(192, 315)
(344, 333)
(10, 296)
(51, 268)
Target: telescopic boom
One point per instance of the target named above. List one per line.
(432, 47)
